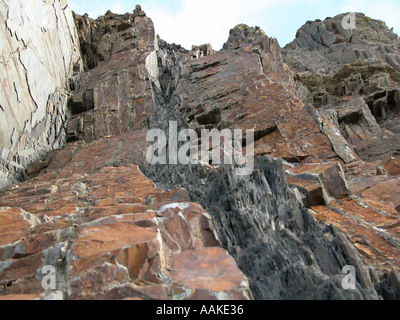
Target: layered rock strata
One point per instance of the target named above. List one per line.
(107, 230)
(260, 218)
(352, 77)
(40, 61)
(349, 81)
(111, 235)
(92, 211)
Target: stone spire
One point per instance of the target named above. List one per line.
(138, 12)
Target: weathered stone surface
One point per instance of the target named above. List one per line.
(381, 192)
(323, 47)
(259, 218)
(13, 225)
(310, 191)
(111, 233)
(33, 111)
(374, 233)
(340, 145)
(329, 176)
(121, 238)
(391, 166)
(247, 86)
(351, 83)
(114, 95)
(353, 79)
(201, 270)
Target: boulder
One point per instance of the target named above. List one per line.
(319, 182)
(391, 166)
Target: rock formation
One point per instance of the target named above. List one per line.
(109, 232)
(352, 77)
(40, 61)
(321, 195)
(349, 82)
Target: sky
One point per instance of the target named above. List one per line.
(196, 22)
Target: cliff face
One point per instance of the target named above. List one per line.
(39, 55)
(349, 82)
(352, 77)
(108, 231)
(285, 231)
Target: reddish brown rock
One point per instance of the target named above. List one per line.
(16, 297)
(391, 166)
(230, 90)
(112, 234)
(373, 233)
(311, 191)
(328, 176)
(115, 95)
(13, 225)
(361, 169)
(380, 192)
(201, 270)
(120, 241)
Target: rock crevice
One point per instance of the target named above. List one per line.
(320, 198)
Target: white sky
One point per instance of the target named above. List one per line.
(188, 22)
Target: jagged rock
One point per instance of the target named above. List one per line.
(391, 166)
(353, 78)
(323, 47)
(138, 12)
(350, 80)
(33, 111)
(389, 288)
(92, 211)
(199, 52)
(319, 183)
(373, 232)
(259, 218)
(87, 221)
(114, 96)
(102, 233)
(310, 191)
(233, 89)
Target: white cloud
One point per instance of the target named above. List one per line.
(117, 7)
(208, 21)
(96, 10)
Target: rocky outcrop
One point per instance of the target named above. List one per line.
(233, 89)
(349, 80)
(115, 95)
(324, 47)
(40, 59)
(352, 77)
(111, 235)
(260, 218)
(285, 230)
(108, 231)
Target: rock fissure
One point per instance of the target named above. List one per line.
(322, 195)
(246, 214)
